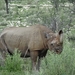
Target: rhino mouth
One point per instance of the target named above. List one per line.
(58, 51)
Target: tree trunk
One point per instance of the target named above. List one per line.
(54, 25)
(7, 9)
(55, 8)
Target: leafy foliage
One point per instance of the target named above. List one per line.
(54, 14)
(14, 63)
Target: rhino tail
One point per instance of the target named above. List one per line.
(3, 42)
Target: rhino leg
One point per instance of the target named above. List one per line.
(34, 56)
(38, 63)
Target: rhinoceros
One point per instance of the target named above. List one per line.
(33, 42)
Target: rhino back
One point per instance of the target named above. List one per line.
(25, 37)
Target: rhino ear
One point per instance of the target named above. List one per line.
(60, 32)
(61, 36)
(48, 35)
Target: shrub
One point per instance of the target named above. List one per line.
(14, 62)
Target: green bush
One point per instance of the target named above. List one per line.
(14, 63)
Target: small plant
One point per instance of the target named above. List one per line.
(14, 62)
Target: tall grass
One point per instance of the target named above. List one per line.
(53, 64)
(13, 63)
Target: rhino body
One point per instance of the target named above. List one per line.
(33, 41)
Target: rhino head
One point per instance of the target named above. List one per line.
(55, 41)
